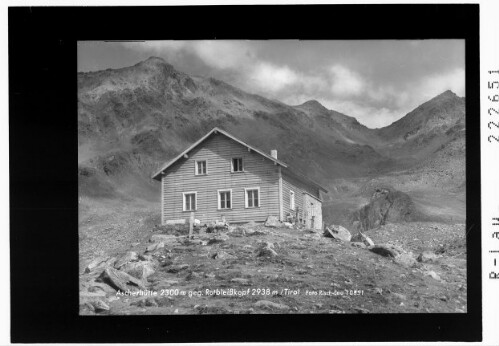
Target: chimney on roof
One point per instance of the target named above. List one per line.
(273, 153)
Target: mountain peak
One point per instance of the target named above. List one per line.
(154, 61)
(446, 94)
(442, 110)
(313, 104)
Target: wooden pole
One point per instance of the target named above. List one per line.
(191, 224)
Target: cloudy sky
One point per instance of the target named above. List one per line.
(376, 82)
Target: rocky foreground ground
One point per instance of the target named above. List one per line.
(253, 269)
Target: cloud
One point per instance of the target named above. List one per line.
(370, 116)
(377, 105)
(283, 80)
(375, 99)
(433, 85)
(164, 48)
(239, 59)
(347, 91)
(345, 82)
(224, 54)
(272, 78)
(215, 54)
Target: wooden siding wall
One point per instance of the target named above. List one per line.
(314, 208)
(292, 184)
(218, 151)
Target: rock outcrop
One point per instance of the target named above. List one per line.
(386, 205)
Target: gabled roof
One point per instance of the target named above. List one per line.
(304, 178)
(216, 130)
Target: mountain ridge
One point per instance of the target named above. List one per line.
(143, 115)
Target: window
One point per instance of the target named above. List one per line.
(252, 197)
(200, 168)
(224, 199)
(237, 165)
(190, 201)
(292, 200)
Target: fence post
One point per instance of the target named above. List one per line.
(191, 224)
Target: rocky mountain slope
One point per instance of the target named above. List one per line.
(131, 120)
(155, 111)
(426, 129)
(253, 269)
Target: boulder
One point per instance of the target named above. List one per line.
(222, 255)
(266, 304)
(97, 287)
(140, 270)
(360, 237)
(130, 256)
(266, 249)
(194, 275)
(360, 310)
(241, 281)
(266, 252)
(155, 246)
(432, 274)
(399, 255)
(358, 244)
(386, 250)
(399, 296)
(427, 256)
(163, 238)
(288, 224)
(145, 257)
(368, 241)
(222, 223)
(99, 305)
(98, 262)
(120, 280)
(272, 221)
(386, 205)
(338, 232)
(222, 238)
(252, 232)
(405, 259)
(86, 308)
(193, 242)
(217, 226)
(237, 232)
(177, 268)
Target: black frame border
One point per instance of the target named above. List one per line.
(43, 161)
